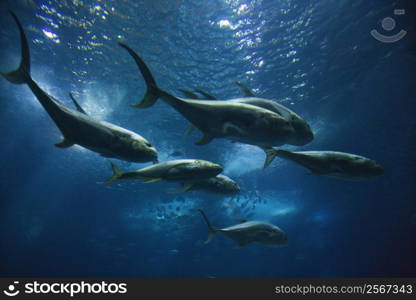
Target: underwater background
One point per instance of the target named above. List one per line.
(316, 57)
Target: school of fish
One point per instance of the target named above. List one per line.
(249, 119)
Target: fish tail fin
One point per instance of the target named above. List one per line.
(116, 174)
(153, 91)
(212, 230)
(270, 155)
(22, 74)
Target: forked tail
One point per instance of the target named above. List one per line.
(116, 174)
(212, 230)
(22, 74)
(153, 92)
(272, 153)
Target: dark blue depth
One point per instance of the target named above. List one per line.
(316, 57)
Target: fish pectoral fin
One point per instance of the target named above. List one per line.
(184, 188)
(65, 143)
(152, 180)
(232, 129)
(188, 131)
(207, 138)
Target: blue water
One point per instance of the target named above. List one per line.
(316, 57)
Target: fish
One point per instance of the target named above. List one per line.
(76, 126)
(332, 163)
(303, 133)
(220, 184)
(247, 232)
(180, 170)
(235, 121)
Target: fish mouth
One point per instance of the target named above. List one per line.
(310, 137)
(218, 168)
(153, 155)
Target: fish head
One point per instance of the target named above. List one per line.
(144, 150)
(273, 237)
(280, 127)
(233, 187)
(204, 168)
(372, 169)
(360, 168)
(226, 184)
(303, 132)
(278, 238)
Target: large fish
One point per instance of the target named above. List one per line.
(180, 170)
(302, 131)
(246, 232)
(331, 163)
(76, 127)
(235, 121)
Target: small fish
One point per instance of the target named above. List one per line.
(262, 233)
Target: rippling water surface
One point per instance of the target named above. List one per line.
(316, 57)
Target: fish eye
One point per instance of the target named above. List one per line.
(148, 144)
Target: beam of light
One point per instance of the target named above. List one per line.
(243, 159)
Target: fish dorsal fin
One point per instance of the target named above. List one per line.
(189, 94)
(79, 108)
(246, 91)
(206, 138)
(207, 96)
